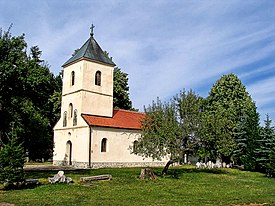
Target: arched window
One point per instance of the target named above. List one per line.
(64, 119)
(98, 78)
(135, 147)
(72, 78)
(103, 145)
(75, 118)
(71, 110)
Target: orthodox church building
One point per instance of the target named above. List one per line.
(90, 132)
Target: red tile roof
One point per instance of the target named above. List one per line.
(123, 119)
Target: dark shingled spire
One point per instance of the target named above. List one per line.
(90, 51)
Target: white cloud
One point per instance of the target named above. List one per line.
(164, 46)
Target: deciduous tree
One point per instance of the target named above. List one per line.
(171, 129)
(121, 90)
(26, 86)
(189, 107)
(229, 95)
(216, 133)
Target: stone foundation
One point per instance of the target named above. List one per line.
(74, 164)
(96, 165)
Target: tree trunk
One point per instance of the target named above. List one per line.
(226, 159)
(165, 169)
(147, 172)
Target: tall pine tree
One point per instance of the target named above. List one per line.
(12, 158)
(266, 151)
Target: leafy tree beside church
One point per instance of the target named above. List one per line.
(30, 95)
(229, 100)
(225, 125)
(26, 87)
(171, 129)
(121, 90)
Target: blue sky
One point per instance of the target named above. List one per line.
(164, 46)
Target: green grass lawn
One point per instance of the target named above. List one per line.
(182, 186)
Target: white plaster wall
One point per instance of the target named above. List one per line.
(79, 137)
(75, 99)
(78, 69)
(96, 104)
(87, 97)
(118, 143)
(89, 71)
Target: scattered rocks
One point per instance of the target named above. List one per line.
(31, 183)
(28, 183)
(98, 177)
(59, 178)
(6, 204)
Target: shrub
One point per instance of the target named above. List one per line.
(12, 159)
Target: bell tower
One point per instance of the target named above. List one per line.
(88, 82)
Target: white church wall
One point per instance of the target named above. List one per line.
(97, 99)
(72, 142)
(89, 97)
(106, 87)
(79, 140)
(97, 104)
(75, 100)
(118, 152)
(67, 78)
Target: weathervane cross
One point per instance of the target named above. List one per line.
(92, 29)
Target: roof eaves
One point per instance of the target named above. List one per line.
(107, 126)
(116, 127)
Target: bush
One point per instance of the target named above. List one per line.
(12, 159)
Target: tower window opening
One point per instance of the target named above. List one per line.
(64, 119)
(72, 78)
(70, 110)
(75, 118)
(98, 78)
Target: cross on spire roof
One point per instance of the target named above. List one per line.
(90, 50)
(92, 30)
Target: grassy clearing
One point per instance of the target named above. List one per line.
(182, 186)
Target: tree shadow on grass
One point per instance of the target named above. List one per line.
(175, 173)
